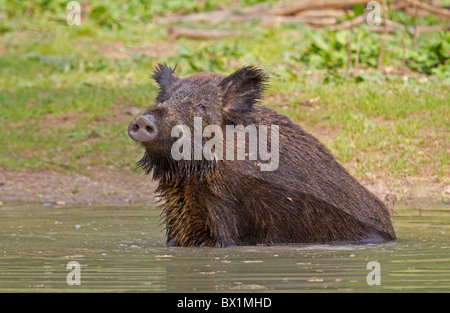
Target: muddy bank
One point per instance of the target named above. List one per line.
(115, 187)
(102, 187)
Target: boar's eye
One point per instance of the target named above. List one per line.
(200, 107)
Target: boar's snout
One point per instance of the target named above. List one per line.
(143, 128)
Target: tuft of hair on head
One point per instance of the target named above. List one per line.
(165, 77)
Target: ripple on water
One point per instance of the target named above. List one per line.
(122, 249)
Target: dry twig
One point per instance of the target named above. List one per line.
(176, 32)
(427, 7)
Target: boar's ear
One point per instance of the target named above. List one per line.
(242, 89)
(165, 76)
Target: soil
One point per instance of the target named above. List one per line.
(104, 186)
(114, 187)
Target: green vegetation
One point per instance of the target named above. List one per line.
(65, 90)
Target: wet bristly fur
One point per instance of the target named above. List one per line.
(309, 198)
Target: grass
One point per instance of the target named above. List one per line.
(382, 128)
(65, 90)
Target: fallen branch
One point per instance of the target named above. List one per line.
(213, 17)
(322, 13)
(427, 29)
(425, 6)
(349, 23)
(361, 19)
(291, 8)
(382, 29)
(176, 32)
(256, 9)
(270, 20)
(315, 13)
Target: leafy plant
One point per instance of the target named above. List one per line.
(432, 58)
(325, 52)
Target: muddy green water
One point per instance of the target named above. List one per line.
(121, 248)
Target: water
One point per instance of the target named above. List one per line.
(121, 248)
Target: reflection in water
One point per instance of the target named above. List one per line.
(122, 249)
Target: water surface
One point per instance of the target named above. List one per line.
(121, 248)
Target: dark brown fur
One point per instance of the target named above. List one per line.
(310, 198)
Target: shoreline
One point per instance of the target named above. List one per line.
(120, 187)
